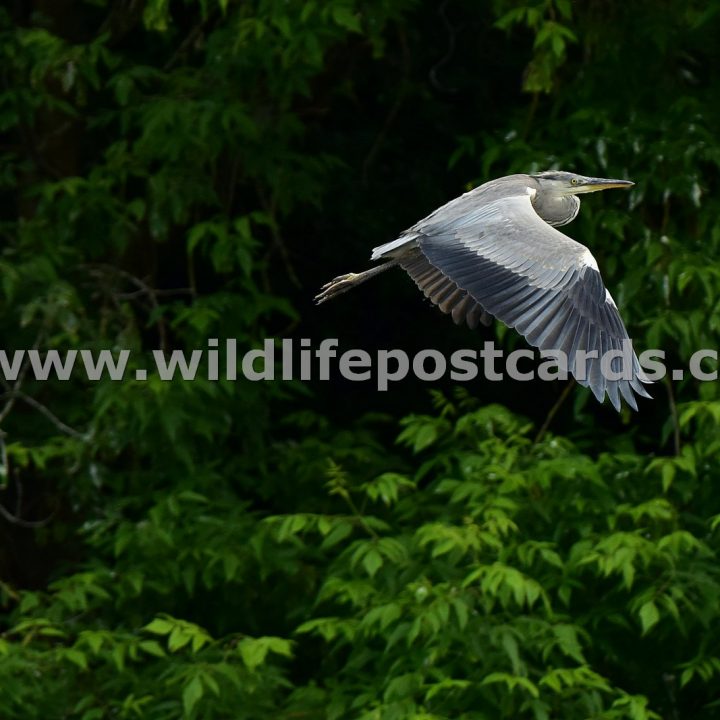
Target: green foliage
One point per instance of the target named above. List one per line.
(174, 171)
(547, 21)
(497, 577)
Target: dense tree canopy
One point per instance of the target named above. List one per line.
(179, 170)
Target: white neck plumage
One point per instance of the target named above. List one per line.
(556, 209)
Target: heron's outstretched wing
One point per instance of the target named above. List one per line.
(530, 276)
(442, 291)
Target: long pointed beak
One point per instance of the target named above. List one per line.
(594, 184)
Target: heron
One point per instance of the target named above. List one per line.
(494, 252)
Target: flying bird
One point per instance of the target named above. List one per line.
(495, 252)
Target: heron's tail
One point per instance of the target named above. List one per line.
(406, 238)
(343, 283)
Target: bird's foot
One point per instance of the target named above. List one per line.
(337, 286)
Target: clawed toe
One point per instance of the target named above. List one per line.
(343, 283)
(336, 286)
(341, 279)
(335, 281)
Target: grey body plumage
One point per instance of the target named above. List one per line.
(495, 252)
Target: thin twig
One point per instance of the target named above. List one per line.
(160, 293)
(268, 204)
(673, 414)
(185, 44)
(15, 520)
(5, 462)
(531, 115)
(451, 34)
(122, 19)
(338, 486)
(394, 110)
(554, 410)
(143, 289)
(134, 279)
(43, 410)
(353, 507)
(192, 279)
(18, 382)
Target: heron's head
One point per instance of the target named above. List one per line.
(566, 183)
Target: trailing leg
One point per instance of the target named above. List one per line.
(343, 283)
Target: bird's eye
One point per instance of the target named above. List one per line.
(574, 181)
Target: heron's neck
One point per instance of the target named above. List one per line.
(555, 209)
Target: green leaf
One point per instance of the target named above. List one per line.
(192, 693)
(254, 650)
(372, 562)
(77, 658)
(151, 647)
(568, 642)
(179, 638)
(340, 531)
(649, 616)
(346, 18)
(159, 627)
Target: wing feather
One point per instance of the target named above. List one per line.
(442, 291)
